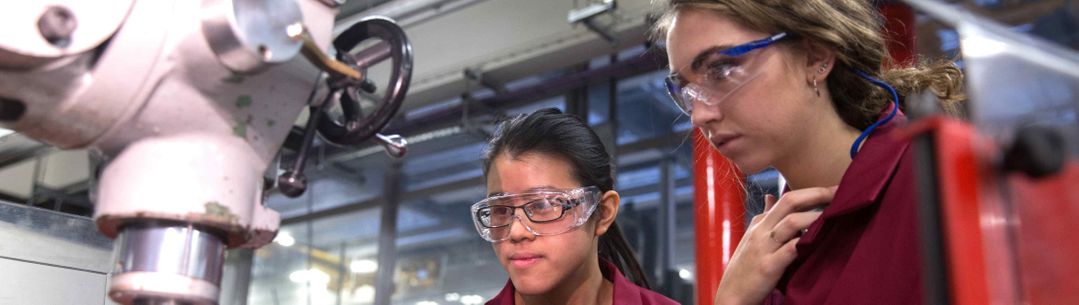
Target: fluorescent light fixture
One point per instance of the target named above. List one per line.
(284, 239)
(363, 266)
(312, 275)
(364, 294)
(685, 274)
(471, 299)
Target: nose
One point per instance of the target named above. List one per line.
(703, 114)
(519, 230)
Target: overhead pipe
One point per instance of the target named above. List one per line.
(406, 12)
(646, 62)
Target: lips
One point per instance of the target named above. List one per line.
(722, 141)
(524, 260)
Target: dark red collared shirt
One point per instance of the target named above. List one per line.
(625, 292)
(864, 248)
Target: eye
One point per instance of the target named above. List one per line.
(720, 70)
(677, 81)
(485, 215)
(541, 204)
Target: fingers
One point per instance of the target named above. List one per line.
(775, 263)
(769, 202)
(756, 219)
(796, 201)
(786, 254)
(792, 225)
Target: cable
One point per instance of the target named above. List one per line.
(895, 109)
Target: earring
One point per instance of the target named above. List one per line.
(819, 71)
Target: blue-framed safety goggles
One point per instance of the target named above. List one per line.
(721, 73)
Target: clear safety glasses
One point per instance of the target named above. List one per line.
(548, 212)
(721, 73)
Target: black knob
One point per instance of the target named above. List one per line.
(1038, 151)
(292, 184)
(368, 86)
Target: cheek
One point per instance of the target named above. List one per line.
(569, 248)
(771, 109)
(769, 118)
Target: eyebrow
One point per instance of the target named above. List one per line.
(698, 60)
(702, 56)
(530, 190)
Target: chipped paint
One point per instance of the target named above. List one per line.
(213, 208)
(240, 129)
(243, 101)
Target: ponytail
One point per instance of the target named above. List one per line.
(943, 79)
(614, 248)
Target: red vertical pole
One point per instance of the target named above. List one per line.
(899, 31)
(719, 214)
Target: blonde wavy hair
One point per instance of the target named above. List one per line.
(853, 28)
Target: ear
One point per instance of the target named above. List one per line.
(819, 61)
(608, 209)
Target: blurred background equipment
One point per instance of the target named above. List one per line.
(180, 102)
(365, 216)
(996, 201)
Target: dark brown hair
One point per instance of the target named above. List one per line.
(550, 131)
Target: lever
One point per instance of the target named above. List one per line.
(396, 146)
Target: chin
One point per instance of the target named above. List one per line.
(532, 285)
(749, 165)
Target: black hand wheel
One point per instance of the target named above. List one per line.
(355, 127)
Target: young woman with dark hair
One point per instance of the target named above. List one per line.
(550, 215)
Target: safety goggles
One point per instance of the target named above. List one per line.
(548, 212)
(722, 73)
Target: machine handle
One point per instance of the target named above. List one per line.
(394, 45)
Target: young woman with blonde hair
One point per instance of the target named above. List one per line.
(802, 86)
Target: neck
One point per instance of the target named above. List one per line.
(585, 286)
(822, 157)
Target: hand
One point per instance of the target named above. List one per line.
(767, 248)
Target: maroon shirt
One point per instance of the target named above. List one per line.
(625, 292)
(864, 248)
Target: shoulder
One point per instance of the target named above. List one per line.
(504, 297)
(628, 293)
(649, 297)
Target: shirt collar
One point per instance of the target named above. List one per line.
(624, 291)
(868, 174)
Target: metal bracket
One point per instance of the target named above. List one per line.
(587, 14)
(474, 74)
